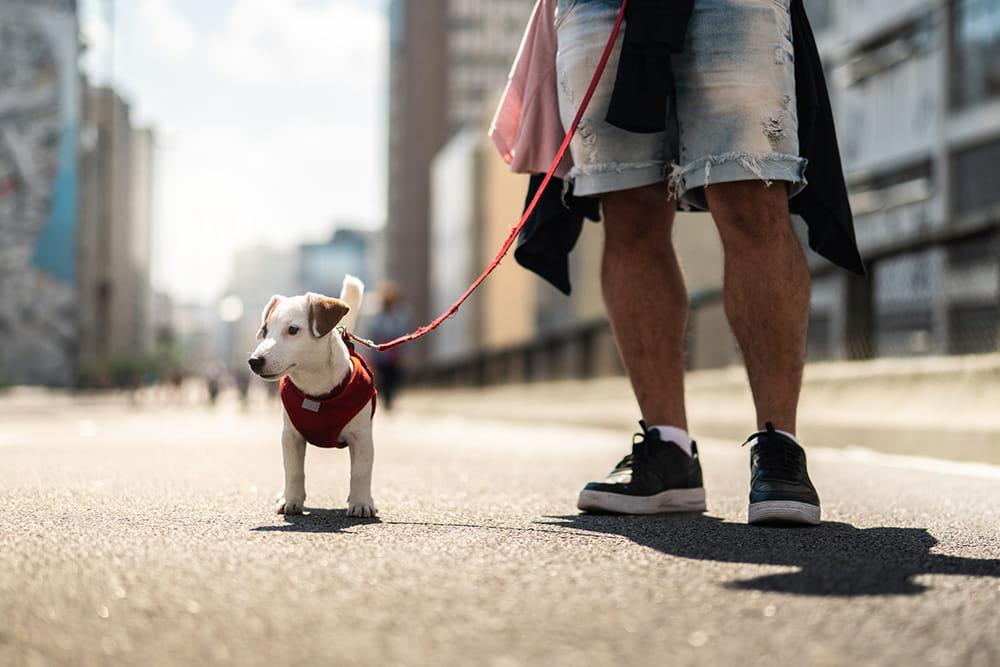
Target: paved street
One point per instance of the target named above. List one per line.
(147, 536)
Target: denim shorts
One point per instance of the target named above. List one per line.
(735, 102)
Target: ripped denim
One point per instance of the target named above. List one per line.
(735, 102)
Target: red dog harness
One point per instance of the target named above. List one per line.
(321, 419)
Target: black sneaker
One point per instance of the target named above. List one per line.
(780, 490)
(656, 477)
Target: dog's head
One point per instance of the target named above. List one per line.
(294, 333)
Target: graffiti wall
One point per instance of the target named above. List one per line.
(39, 120)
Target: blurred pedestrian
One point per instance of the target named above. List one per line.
(213, 381)
(242, 379)
(391, 321)
(715, 105)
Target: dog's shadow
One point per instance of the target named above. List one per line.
(317, 520)
(830, 559)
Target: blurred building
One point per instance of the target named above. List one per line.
(916, 92)
(194, 328)
(448, 62)
(115, 251)
(258, 272)
(76, 190)
(350, 251)
(39, 121)
(915, 87)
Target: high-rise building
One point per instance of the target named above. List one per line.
(482, 40)
(322, 266)
(116, 195)
(257, 273)
(39, 119)
(448, 63)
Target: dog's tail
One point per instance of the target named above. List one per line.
(352, 292)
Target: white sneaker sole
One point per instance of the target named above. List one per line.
(672, 500)
(783, 511)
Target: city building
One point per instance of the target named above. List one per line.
(915, 86)
(257, 273)
(114, 248)
(322, 266)
(448, 62)
(39, 115)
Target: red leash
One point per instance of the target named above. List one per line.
(453, 308)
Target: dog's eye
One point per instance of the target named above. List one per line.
(292, 330)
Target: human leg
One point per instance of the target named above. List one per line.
(739, 158)
(646, 299)
(642, 283)
(766, 293)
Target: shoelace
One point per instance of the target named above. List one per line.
(638, 454)
(776, 455)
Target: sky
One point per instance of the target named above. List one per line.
(270, 120)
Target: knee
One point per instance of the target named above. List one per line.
(637, 218)
(750, 213)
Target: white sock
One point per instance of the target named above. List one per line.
(789, 436)
(674, 434)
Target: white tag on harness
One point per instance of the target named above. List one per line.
(311, 405)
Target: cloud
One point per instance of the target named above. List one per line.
(170, 34)
(224, 189)
(167, 36)
(267, 42)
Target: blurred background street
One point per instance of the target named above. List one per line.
(168, 165)
(146, 535)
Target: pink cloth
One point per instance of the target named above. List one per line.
(527, 129)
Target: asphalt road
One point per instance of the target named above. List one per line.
(148, 537)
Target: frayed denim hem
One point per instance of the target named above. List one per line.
(594, 179)
(687, 183)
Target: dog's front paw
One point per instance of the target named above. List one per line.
(290, 504)
(364, 509)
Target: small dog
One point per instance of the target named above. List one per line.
(327, 390)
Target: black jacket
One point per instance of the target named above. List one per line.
(642, 101)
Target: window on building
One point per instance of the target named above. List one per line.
(975, 72)
(975, 179)
(973, 329)
(903, 290)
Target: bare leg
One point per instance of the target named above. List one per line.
(766, 293)
(646, 299)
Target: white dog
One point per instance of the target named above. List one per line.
(327, 391)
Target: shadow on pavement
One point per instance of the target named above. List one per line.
(316, 520)
(833, 558)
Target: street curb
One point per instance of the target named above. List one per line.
(941, 407)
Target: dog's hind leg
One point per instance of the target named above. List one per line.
(358, 434)
(293, 452)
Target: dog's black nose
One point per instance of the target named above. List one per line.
(256, 363)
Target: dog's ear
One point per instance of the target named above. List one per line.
(266, 315)
(324, 313)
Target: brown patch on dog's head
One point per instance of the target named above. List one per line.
(324, 313)
(266, 315)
